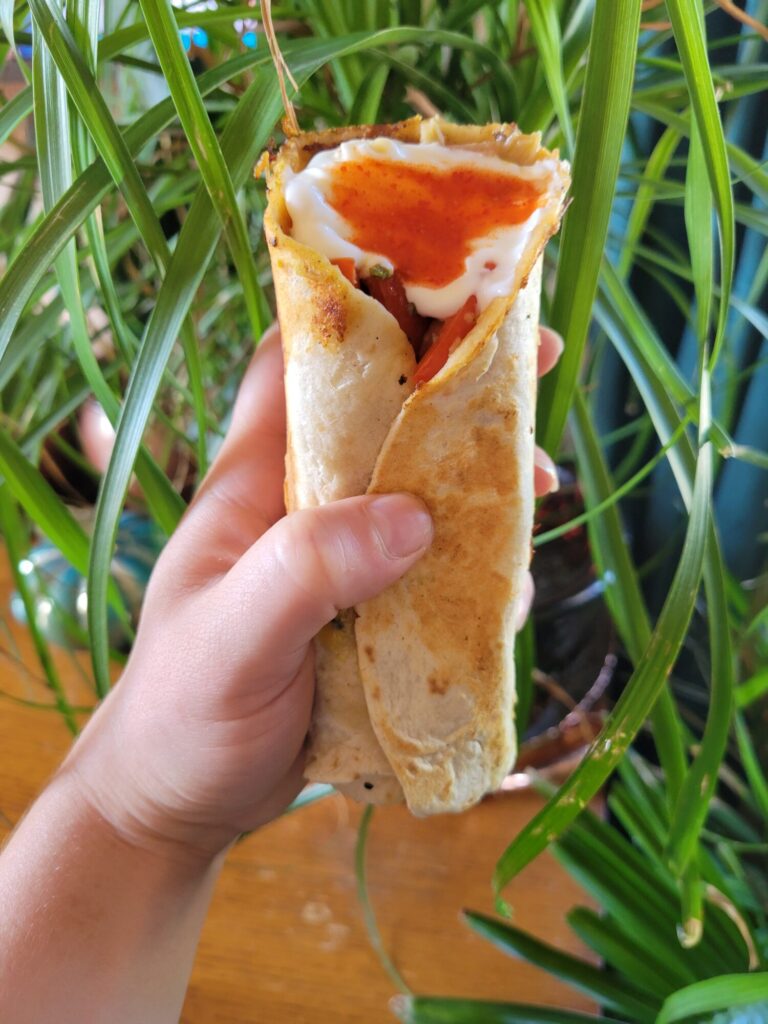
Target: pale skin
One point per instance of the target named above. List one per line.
(105, 883)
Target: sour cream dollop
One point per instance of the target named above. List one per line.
(453, 222)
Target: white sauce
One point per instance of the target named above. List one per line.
(317, 225)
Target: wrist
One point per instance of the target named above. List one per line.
(117, 818)
(107, 778)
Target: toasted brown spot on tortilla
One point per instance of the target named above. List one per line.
(369, 652)
(438, 685)
(330, 317)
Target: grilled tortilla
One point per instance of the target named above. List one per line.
(415, 689)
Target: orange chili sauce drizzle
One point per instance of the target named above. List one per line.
(425, 219)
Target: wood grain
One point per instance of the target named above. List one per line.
(284, 940)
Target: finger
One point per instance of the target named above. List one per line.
(242, 494)
(305, 569)
(256, 433)
(550, 349)
(545, 478)
(524, 601)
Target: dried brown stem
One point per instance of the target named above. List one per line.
(290, 124)
(746, 19)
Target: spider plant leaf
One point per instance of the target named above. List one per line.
(599, 141)
(45, 508)
(688, 26)
(195, 120)
(752, 689)
(15, 540)
(363, 898)
(621, 997)
(698, 221)
(365, 108)
(646, 195)
(434, 1010)
(22, 277)
(751, 763)
(545, 28)
(640, 694)
(725, 992)
(14, 112)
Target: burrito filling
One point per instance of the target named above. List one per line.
(432, 232)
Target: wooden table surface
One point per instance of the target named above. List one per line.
(285, 940)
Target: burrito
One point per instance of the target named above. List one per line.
(407, 265)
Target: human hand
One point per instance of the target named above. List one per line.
(203, 737)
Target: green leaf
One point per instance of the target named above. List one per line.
(698, 219)
(52, 234)
(751, 764)
(638, 697)
(599, 507)
(363, 898)
(433, 1010)
(46, 509)
(599, 140)
(652, 176)
(622, 997)
(14, 112)
(365, 109)
(14, 538)
(106, 135)
(752, 689)
(692, 804)
(54, 146)
(158, 15)
(624, 952)
(688, 26)
(546, 33)
(724, 992)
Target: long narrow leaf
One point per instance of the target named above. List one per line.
(722, 993)
(158, 15)
(635, 702)
(426, 1010)
(12, 532)
(579, 974)
(599, 141)
(546, 32)
(688, 25)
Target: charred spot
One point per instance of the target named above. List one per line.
(331, 317)
(337, 623)
(367, 785)
(402, 379)
(437, 685)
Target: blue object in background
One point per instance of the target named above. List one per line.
(59, 591)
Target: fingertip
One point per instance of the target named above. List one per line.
(545, 476)
(524, 601)
(551, 347)
(270, 337)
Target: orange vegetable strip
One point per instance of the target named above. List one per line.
(453, 330)
(348, 268)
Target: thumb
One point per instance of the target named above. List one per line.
(313, 563)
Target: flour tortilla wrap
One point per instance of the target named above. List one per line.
(415, 689)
